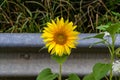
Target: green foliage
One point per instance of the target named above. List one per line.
(31, 16)
(113, 29)
(46, 74)
(100, 70)
(117, 14)
(59, 59)
(117, 52)
(112, 4)
(73, 77)
(103, 27)
(89, 77)
(99, 36)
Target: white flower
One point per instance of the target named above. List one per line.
(116, 66)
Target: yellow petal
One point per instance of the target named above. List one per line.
(58, 20)
(48, 40)
(59, 50)
(46, 35)
(71, 45)
(60, 27)
(51, 46)
(50, 26)
(54, 24)
(73, 38)
(74, 27)
(70, 25)
(53, 51)
(66, 22)
(48, 44)
(68, 50)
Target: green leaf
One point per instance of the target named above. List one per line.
(97, 43)
(59, 59)
(100, 70)
(115, 13)
(89, 77)
(99, 36)
(73, 77)
(46, 74)
(113, 28)
(103, 27)
(117, 51)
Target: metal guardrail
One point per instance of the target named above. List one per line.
(20, 55)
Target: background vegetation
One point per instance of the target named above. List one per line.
(20, 16)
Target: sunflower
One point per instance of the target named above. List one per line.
(60, 37)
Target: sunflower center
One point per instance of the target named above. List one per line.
(60, 38)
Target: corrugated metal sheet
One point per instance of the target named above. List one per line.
(20, 55)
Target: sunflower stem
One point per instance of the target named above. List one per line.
(60, 72)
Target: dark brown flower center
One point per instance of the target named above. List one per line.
(60, 38)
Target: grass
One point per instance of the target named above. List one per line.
(30, 16)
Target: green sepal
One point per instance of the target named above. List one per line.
(59, 59)
(46, 74)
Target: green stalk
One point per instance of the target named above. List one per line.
(60, 72)
(112, 55)
(111, 73)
